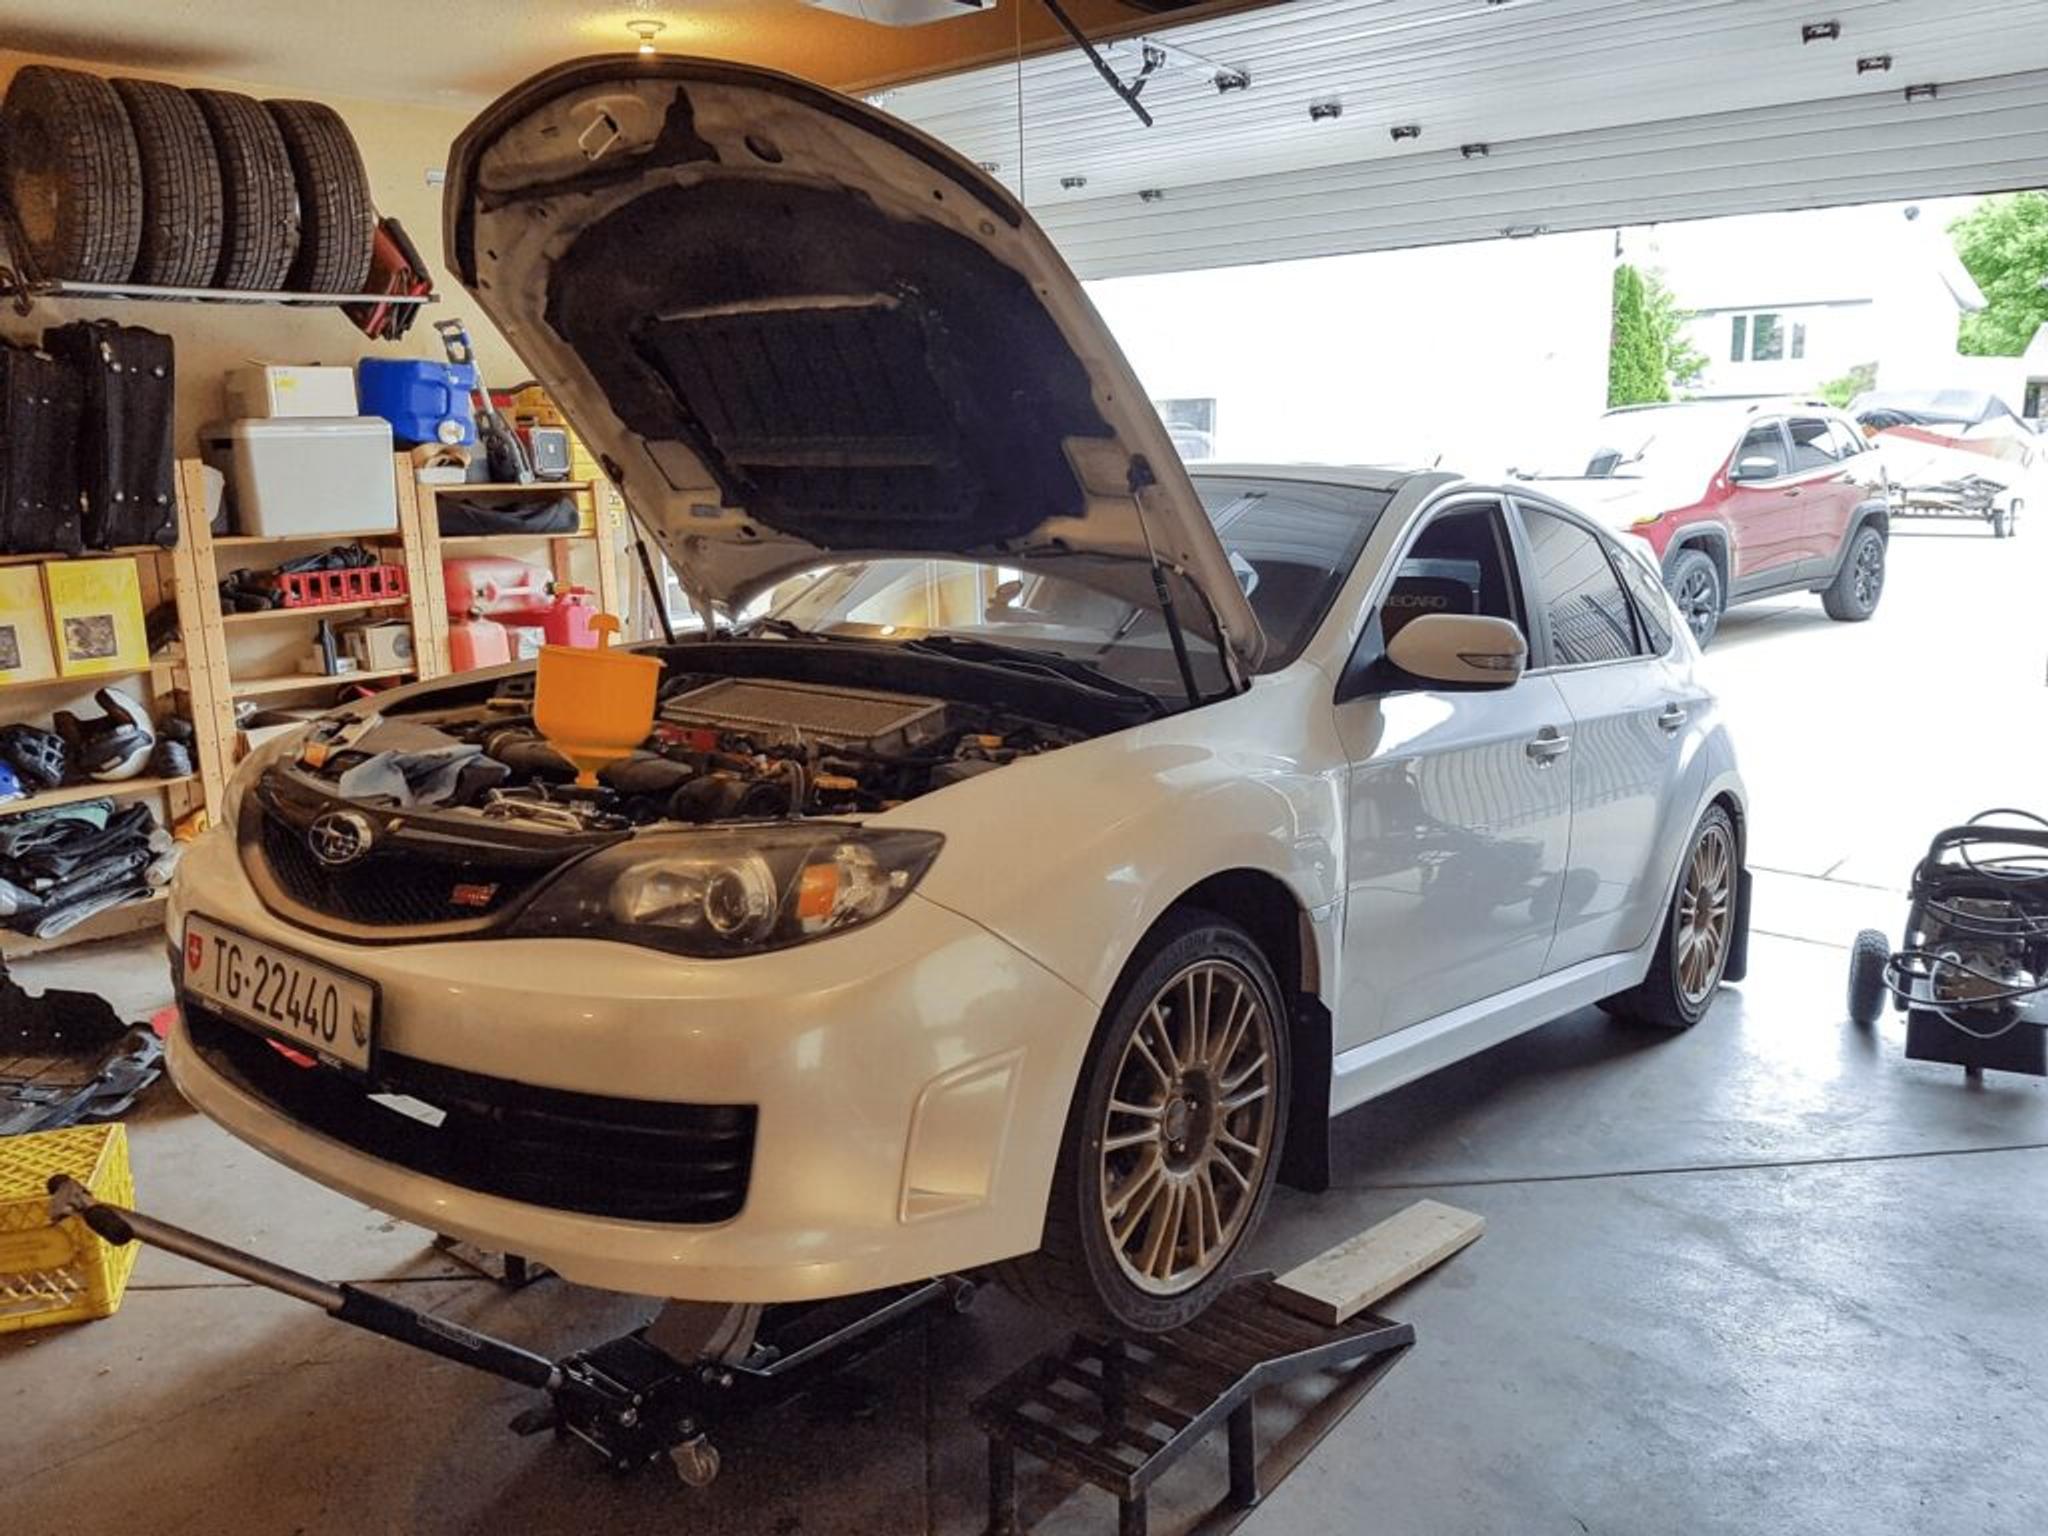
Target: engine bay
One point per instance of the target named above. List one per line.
(723, 748)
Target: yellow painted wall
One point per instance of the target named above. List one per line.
(399, 144)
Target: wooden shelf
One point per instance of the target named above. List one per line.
(70, 794)
(312, 611)
(451, 487)
(44, 557)
(144, 912)
(513, 538)
(243, 686)
(165, 676)
(245, 540)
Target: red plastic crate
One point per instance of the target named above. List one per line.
(323, 589)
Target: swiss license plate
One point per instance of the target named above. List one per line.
(283, 994)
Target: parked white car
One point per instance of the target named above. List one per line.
(1066, 843)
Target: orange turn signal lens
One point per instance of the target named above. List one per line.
(817, 891)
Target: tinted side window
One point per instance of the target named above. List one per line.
(1847, 440)
(1764, 441)
(1653, 605)
(1460, 563)
(1812, 444)
(1590, 620)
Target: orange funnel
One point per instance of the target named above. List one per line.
(595, 705)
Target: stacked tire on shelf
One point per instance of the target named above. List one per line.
(133, 181)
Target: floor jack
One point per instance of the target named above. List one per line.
(652, 1392)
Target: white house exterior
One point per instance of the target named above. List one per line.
(1783, 303)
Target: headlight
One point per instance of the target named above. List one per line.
(738, 892)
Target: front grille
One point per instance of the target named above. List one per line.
(396, 886)
(685, 1164)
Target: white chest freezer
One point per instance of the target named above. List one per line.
(295, 475)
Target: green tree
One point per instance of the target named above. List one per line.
(1839, 392)
(1635, 352)
(2003, 242)
(1683, 362)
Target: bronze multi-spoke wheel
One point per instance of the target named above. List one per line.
(1174, 1137)
(1699, 932)
(1188, 1130)
(1706, 913)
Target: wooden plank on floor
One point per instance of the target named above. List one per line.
(1338, 1284)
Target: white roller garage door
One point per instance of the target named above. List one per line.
(1984, 136)
(1590, 114)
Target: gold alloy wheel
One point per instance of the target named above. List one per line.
(1188, 1131)
(1706, 914)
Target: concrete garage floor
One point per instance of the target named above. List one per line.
(1765, 1275)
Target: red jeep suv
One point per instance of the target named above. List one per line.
(1741, 499)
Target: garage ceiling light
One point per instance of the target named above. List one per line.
(1820, 31)
(645, 28)
(1402, 131)
(1922, 92)
(1073, 183)
(1873, 64)
(1323, 111)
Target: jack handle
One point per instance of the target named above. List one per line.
(364, 1309)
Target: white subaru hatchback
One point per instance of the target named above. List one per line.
(1055, 844)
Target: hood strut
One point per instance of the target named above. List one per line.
(1173, 633)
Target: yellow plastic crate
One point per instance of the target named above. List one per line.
(60, 1274)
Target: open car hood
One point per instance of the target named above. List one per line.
(792, 327)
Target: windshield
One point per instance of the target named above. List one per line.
(1641, 445)
(1291, 545)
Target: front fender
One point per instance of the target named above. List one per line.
(1072, 855)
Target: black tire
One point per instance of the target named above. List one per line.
(181, 187)
(73, 175)
(1661, 999)
(1868, 957)
(1853, 595)
(1078, 1273)
(337, 220)
(259, 201)
(1694, 582)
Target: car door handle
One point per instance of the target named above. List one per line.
(1673, 717)
(1548, 745)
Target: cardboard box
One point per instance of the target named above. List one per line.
(96, 616)
(283, 389)
(25, 654)
(380, 647)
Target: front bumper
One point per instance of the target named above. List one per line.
(910, 1083)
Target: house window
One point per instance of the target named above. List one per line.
(1766, 339)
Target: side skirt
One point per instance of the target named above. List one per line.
(1380, 1066)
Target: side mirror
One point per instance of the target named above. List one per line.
(1460, 651)
(1758, 466)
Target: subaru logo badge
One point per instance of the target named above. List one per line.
(340, 837)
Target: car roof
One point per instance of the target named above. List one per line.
(1364, 477)
(1730, 406)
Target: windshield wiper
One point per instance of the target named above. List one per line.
(1019, 659)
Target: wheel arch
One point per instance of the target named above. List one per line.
(1280, 925)
(1875, 513)
(1712, 540)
